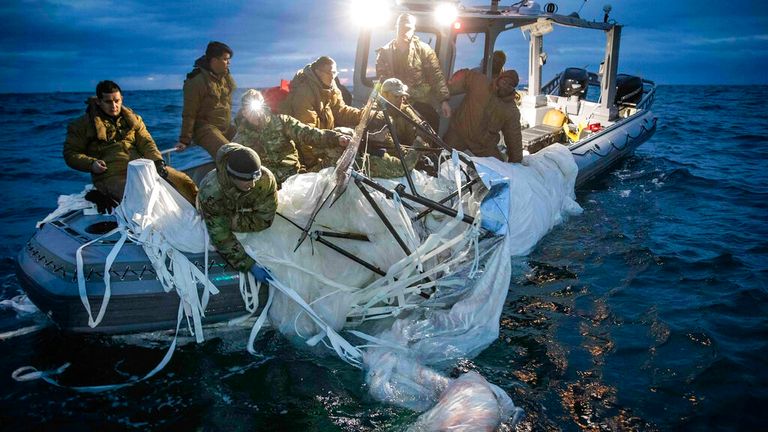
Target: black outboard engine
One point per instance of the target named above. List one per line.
(629, 89)
(573, 82)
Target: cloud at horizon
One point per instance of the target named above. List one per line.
(67, 45)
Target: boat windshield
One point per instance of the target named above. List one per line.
(470, 51)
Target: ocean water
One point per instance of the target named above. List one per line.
(647, 312)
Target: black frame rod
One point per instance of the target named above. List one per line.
(317, 237)
(343, 235)
(373, 185)
(381, 215)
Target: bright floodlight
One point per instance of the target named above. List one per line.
(370, 13)
(445, 14)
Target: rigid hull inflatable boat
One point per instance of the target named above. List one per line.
(597, 132)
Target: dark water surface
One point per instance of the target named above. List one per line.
(647, 312)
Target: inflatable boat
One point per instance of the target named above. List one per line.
(600, 117)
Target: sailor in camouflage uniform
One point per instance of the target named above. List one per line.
(279, 139)
(239, 195)
(382, 163)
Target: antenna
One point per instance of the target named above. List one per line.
(582, 6)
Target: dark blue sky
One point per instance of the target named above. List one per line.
(69, 45)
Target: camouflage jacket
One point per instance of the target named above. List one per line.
(281, 141)
(310, 102)
(418, 68)
(476, 123)
(207, 100)
(226, 209)
(116, 141)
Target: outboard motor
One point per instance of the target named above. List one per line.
(629, 89)
(573, 82)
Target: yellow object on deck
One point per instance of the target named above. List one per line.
(554, 117)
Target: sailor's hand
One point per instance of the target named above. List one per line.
(260, 273)
(161, 169)
(344, 140)
(446, 108)
(180, 146)
(98, 166)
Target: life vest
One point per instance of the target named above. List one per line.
(274, 96)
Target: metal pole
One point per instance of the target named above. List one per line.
(381, 215)
(354, 258)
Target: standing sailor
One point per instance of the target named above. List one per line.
(488, 108)
(109, 136)
(415, 63)
(207, 113)
(239, 195)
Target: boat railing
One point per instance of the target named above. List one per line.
(166, 154)
(649, 94)
(552, 86)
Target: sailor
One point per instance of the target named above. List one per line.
(106, 138)
(316, 100)
(489, 107)
(205, 118)
(383, 164)
(415, 63)
(240, 195)
(278, 138)
(497, 64)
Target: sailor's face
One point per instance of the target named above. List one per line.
(327, 73)
(220, 65)
(111, 103)
(396, 100)
(244, 185)
(405, 29)
(506, 87)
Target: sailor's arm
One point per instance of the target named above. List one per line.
(513, 137)
(383, 68)
(74, 149)
(223, 239)
(303, 134)
(193, 95)
(434, 75)
(144, 143)
(345, 115)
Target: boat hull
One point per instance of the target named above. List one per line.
(138, 303)
(598, 153)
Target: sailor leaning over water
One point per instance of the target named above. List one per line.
(207, 113)
(107, 137)
(240, 195)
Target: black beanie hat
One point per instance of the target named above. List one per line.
(244, 164)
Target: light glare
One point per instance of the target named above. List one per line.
(256, 105)
(445, 14)
(370, 13)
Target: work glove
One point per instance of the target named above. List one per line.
(161, 169)
(104, 203)
(260, 273)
